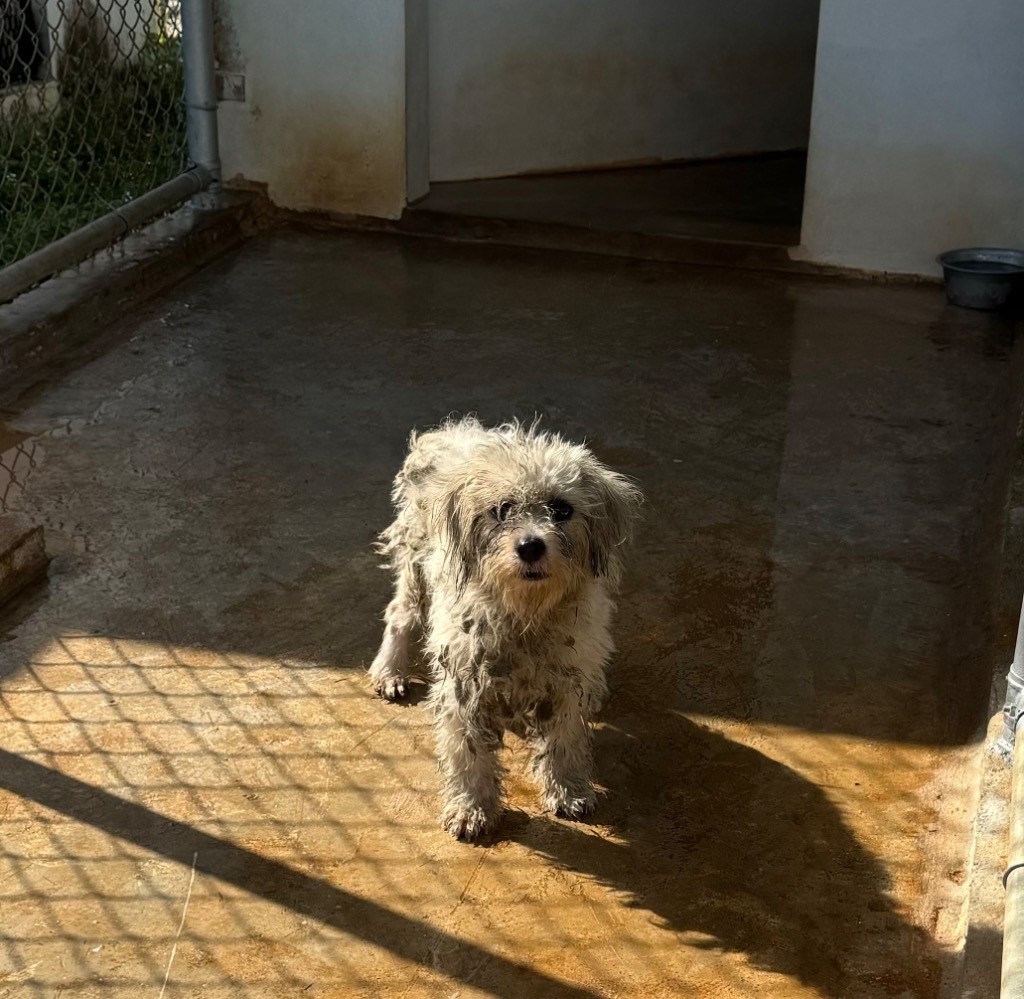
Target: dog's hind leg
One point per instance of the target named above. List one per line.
(564, 760)
(468, 757)
(390, 671)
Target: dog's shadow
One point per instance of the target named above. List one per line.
(740, 853)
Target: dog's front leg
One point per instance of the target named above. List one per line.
(564, 760)
(467, 749)
(389, 672)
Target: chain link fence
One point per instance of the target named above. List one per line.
(91, 112)
(16, 464)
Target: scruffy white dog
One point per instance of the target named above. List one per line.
(507, 548)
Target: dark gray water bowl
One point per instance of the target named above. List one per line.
(983, 277)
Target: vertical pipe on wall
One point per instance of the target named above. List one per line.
(200, 85)
(1013, 915)
(1014, 692)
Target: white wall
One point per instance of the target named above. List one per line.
(417, 107)
(521, 85)
(323, 125)
(917, 133)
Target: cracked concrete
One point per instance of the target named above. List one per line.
(200, 794)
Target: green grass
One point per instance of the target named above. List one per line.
(117, 131)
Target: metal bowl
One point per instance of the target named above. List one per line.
(983, 277)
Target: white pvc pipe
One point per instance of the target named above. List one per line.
(1014, 702)
(1013, 916)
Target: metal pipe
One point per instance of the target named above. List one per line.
(75, 247)
(1014, 702)
(200, 85)
(1013, 880)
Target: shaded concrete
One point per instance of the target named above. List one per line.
(199, 780)
(755, 199)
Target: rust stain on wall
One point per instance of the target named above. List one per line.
(227, 53)
(342, 170)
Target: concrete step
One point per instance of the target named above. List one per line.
(23, 558)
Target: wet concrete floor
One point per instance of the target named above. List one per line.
(200, 796)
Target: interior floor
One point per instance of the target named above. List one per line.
(202, 796)
(756, 199)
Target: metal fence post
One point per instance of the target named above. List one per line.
(200, 85)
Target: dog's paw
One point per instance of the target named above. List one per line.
(568, 805)
(392, 688)
(467, 824)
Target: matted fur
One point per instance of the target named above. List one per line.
(511, 645)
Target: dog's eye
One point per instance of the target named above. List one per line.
(560, 511)
(502, 512)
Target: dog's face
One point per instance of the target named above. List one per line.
(531, 518)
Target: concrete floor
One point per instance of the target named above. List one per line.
(199, 790)
(755, 199)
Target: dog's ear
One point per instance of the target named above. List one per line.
(612, 518)
(453, 522)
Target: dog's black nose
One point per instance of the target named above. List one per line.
(530, 550)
